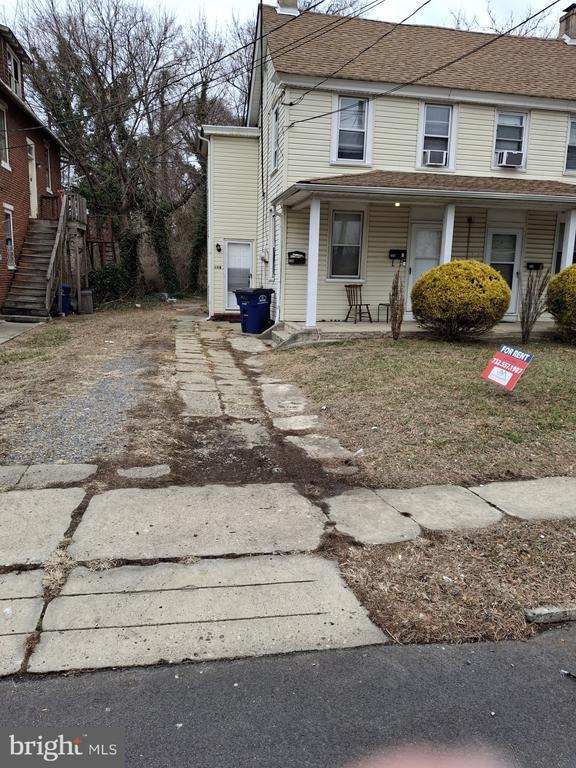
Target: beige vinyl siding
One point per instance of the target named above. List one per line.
(233, 197)
(387, 227)
(475, 139)
(547, 145)
(469, 234)
(540, 238)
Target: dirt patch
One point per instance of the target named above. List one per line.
(462, 587)
(422, 414)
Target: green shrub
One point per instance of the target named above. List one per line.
(561, 302)
(462, 298)
(108, 283)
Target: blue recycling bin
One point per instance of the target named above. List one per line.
(254, 306)
(66, 299)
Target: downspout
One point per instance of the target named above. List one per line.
(279, 261)
(209, 259)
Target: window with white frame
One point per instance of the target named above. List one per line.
(437, 126)
(4, 159)
(352, 130)
(510, 133)
(571, 151)
(561, 229)
(275, 137)
(9, 238)
(48, 169)
(346, 244)
(14, 70)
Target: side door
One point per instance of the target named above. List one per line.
(423, 253)
(237, 270)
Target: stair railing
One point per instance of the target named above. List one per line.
(54, 271)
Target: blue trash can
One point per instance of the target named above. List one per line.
(254, 306)
(66, 299)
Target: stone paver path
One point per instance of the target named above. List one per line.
(170, 572)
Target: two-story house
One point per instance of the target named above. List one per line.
(29, 182)
(369, 145)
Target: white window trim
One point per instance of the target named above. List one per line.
(368, 133)
(11, 54)
(6, 163)
(348, 208)
(568, 171)
(526, 116)
(7, 208)
(48, 159)
(451, 165)
(275, 138)
(238, 241)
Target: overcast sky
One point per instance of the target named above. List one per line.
(437, 12)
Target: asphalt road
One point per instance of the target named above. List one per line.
(321, 710)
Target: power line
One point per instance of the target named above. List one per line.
(415, 80)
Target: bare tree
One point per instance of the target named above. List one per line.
(543, 25)
(533, 300)
(397, 301)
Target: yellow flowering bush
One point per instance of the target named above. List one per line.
(462, 298)
(561, 302)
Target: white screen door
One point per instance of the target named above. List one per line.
(31, 150)
(425, 245)
(238, 270)
(504, 248)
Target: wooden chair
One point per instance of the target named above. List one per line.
(355, 303)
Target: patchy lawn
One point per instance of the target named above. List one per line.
(423, 415)
(464, 587)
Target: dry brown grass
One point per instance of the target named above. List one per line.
(56, 570)
(44, 366)
(423, 415)
(464, 587)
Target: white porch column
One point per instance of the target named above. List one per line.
(313, 248)
(447, 234)
(569, 239)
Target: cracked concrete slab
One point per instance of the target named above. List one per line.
(21, 605)
(321, 447)
(145, 473)
(249, 434)
(42, 475)
(550, 498)
(208, 520)
(248, 344)
(442, 507)
(10, 474)
(138, 615)
(366, 517)
(299, 423)
(32, 523)
(283, 399)
(200, 404)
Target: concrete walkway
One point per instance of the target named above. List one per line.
(11, 330)
(136, 570)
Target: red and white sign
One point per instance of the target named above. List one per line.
(506, 367)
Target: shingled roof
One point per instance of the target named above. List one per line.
(442, 182)
(526, 66)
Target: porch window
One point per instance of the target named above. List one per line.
(510, 132)
(352, 128)
(571, 152)
(3, 138)
(436, 140)
(346, 248)
(275, 138)
(9, 238)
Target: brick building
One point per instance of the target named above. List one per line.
(29, 181)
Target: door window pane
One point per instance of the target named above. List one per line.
(503, 255)
(352, 128)
(346, 244)
(239, 267)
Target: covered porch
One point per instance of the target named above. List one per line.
(360, 228)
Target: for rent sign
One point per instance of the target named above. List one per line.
(506, 366)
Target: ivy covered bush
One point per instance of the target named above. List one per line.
(561, 302)
(459, 299)
(108, 283)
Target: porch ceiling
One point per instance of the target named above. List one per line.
(431, 186)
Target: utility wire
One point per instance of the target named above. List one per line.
(433, 71)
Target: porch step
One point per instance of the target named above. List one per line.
(13, 318)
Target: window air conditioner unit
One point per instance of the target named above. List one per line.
(509, 159)
(435, 157)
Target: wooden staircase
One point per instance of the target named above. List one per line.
(27, 295)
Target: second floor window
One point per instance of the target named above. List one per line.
(436, 141)
(352, 129)
(275, 138)
(510, 136)
(14, 71)
(346, 249)
(3, 138)
(571, 153)
(48, 169)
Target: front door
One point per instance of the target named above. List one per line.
(237, 270)
(424, 253)
(31, 151)
(503, 251)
